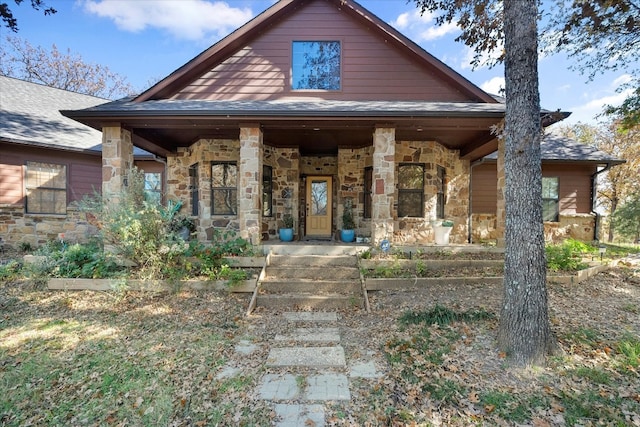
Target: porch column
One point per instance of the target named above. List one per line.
(501, 214)
(384, 183)
(250, 180)
(117, 161)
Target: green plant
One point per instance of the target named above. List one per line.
(629, 349)
(565, 256)
(25, 247)
(10, 271)
(441, 315)
(348, 223)
(178, 222)
(287, 221)
(446, 223)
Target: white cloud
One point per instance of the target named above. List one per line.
(588, 111)
(485, 57)
(494, 86)
(185, 19)
(422, 27)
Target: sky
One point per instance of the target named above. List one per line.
(146, 40)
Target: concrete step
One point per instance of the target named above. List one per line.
(301, 248)
(316, 302)
(307, 272)
(313, 261)
(311, 286)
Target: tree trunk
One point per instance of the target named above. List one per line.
(524, 332)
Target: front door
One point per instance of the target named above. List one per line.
(319, 210)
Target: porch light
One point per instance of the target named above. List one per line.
(602, 250)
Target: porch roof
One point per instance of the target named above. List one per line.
(316, 126)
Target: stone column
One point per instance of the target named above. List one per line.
(117, 161)
(384, 183)
(501, 214)
(250, 183)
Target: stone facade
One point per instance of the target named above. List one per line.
(117, 159)
(456, 208)
(384, 184)
(579, 227)
(18, 228)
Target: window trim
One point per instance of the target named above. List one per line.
(441, 191)
(310, 40)
(29, 188)
(267, 196)
(367, 192)
(413, 190)
(232, 189)
(555, 200)
(194, 188)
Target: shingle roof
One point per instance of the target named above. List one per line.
(30, 114)
(559, 148)
(295, 107)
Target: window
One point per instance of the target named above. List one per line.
(442, 191)
(224, 188)
(368, 185)
(194, 189)
(46, 188)
(153, 187)
(267, 191)
(550, 211)
(411, 190)
(315, 65)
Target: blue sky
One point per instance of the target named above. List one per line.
(145, 40)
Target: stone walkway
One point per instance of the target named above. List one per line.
(306, 368)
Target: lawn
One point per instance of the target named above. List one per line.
(159, 359)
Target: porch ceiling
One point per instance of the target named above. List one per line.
(318, 127)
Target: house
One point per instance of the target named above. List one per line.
(48, 161)
(570, 173)
(312, 105)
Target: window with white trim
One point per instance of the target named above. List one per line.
(46, 185)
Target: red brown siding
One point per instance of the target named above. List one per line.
(371, 68)
(10, 180)
(574, 181)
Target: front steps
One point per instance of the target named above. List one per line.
(309, 281)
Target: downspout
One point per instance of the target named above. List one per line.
(470, 215)
(594, 183)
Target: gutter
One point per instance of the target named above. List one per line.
(594, 183)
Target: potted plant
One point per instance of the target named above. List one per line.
(286, 231)
(347, 233)
(442, 230)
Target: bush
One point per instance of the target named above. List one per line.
(567, 256)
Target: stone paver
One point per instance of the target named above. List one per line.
(311, 335)
(364, 370)
(299, 415)
(228, 372)
(328, 386)
(310, 316)
(278, 387)
(246, 347)
(318, 357)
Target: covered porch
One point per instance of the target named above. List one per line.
(242, 166)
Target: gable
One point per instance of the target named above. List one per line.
(377, 62)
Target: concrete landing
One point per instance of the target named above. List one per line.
(317, 357)
(299, 415)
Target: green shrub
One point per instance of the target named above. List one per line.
(10, 271)
(566, 256)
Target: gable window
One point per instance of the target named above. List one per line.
(411, 190)
(46, 186)
(194, 188)
(153, 187)
(441, 194)
(315, 65)
(224, 188)
(550, 199)
(368, 185)
(267, 191)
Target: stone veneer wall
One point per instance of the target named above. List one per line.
(18, 228)
(350, 184)
(117, 159)
(203, 152)
(286, 187)
(579, 227)
(432, 154)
